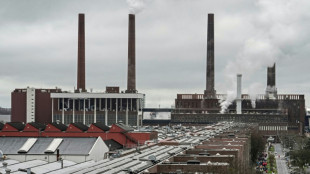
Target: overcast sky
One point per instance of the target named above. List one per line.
(38, 45)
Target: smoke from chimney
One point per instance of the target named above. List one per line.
(131, 75)
(81, 55)
(210, 92)
(135, 6)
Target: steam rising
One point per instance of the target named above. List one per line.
(263, 48)
(254, 89)
(255, 54)
(135, 6)
(231, 96)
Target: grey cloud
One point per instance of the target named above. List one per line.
(38, 44)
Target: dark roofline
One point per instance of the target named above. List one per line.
(114, 144)
(101, 126)
(1, 126)
(59, 126)
(17, 125)
(39, 126)
(124, 127)
(80, 126)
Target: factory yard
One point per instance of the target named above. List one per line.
(218, 148)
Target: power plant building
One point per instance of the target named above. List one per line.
(275, 113)
(111, 106)
(90, 108)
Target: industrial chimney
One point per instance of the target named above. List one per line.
(81, 55)
(238, 99)
(131, 75)
(271, 90)
(210, 93)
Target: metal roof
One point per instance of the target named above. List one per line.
(51, 166)
(23, 165)
(101, 126)
(80, 126)
(59, 126)
(69, 146)
(39, 126)
(124, 127)
(96, 95)
(71, 168)
(17, 125)
(113, 145)
(11, 145)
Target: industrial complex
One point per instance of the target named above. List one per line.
(56, 131)
(110, 106)
(218, 148)
(275, 113)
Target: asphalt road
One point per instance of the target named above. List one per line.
(281, 163)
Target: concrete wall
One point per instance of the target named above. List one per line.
(98, 150)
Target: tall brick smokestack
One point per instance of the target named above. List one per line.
(81, 55)
(271, 75)
(131, 76)
(271, 90)
(210, 93)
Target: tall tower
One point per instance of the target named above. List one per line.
(210, 92)
(81, 55)
(271, 90)
(131, 75)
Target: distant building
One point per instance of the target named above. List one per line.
(307, 119)
(90, 108)
(275, 113)
(119, 132)
(156, 113)
(109, 107)
(32, 105)
(5, 111)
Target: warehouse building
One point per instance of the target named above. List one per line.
(42, 148)
(126, 136)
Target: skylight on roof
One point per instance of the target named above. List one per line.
(27, 146)
(54, 145)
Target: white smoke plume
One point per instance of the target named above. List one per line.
(255, 54)
(231, 96)
(253, 90)
(275, 30)
(135, 6)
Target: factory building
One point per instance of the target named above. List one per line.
(73, 149)
(32, 105)
(108, 107)
(90, 108)
(120, 133)
(274, 112)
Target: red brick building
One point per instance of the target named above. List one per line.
(32, 105)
